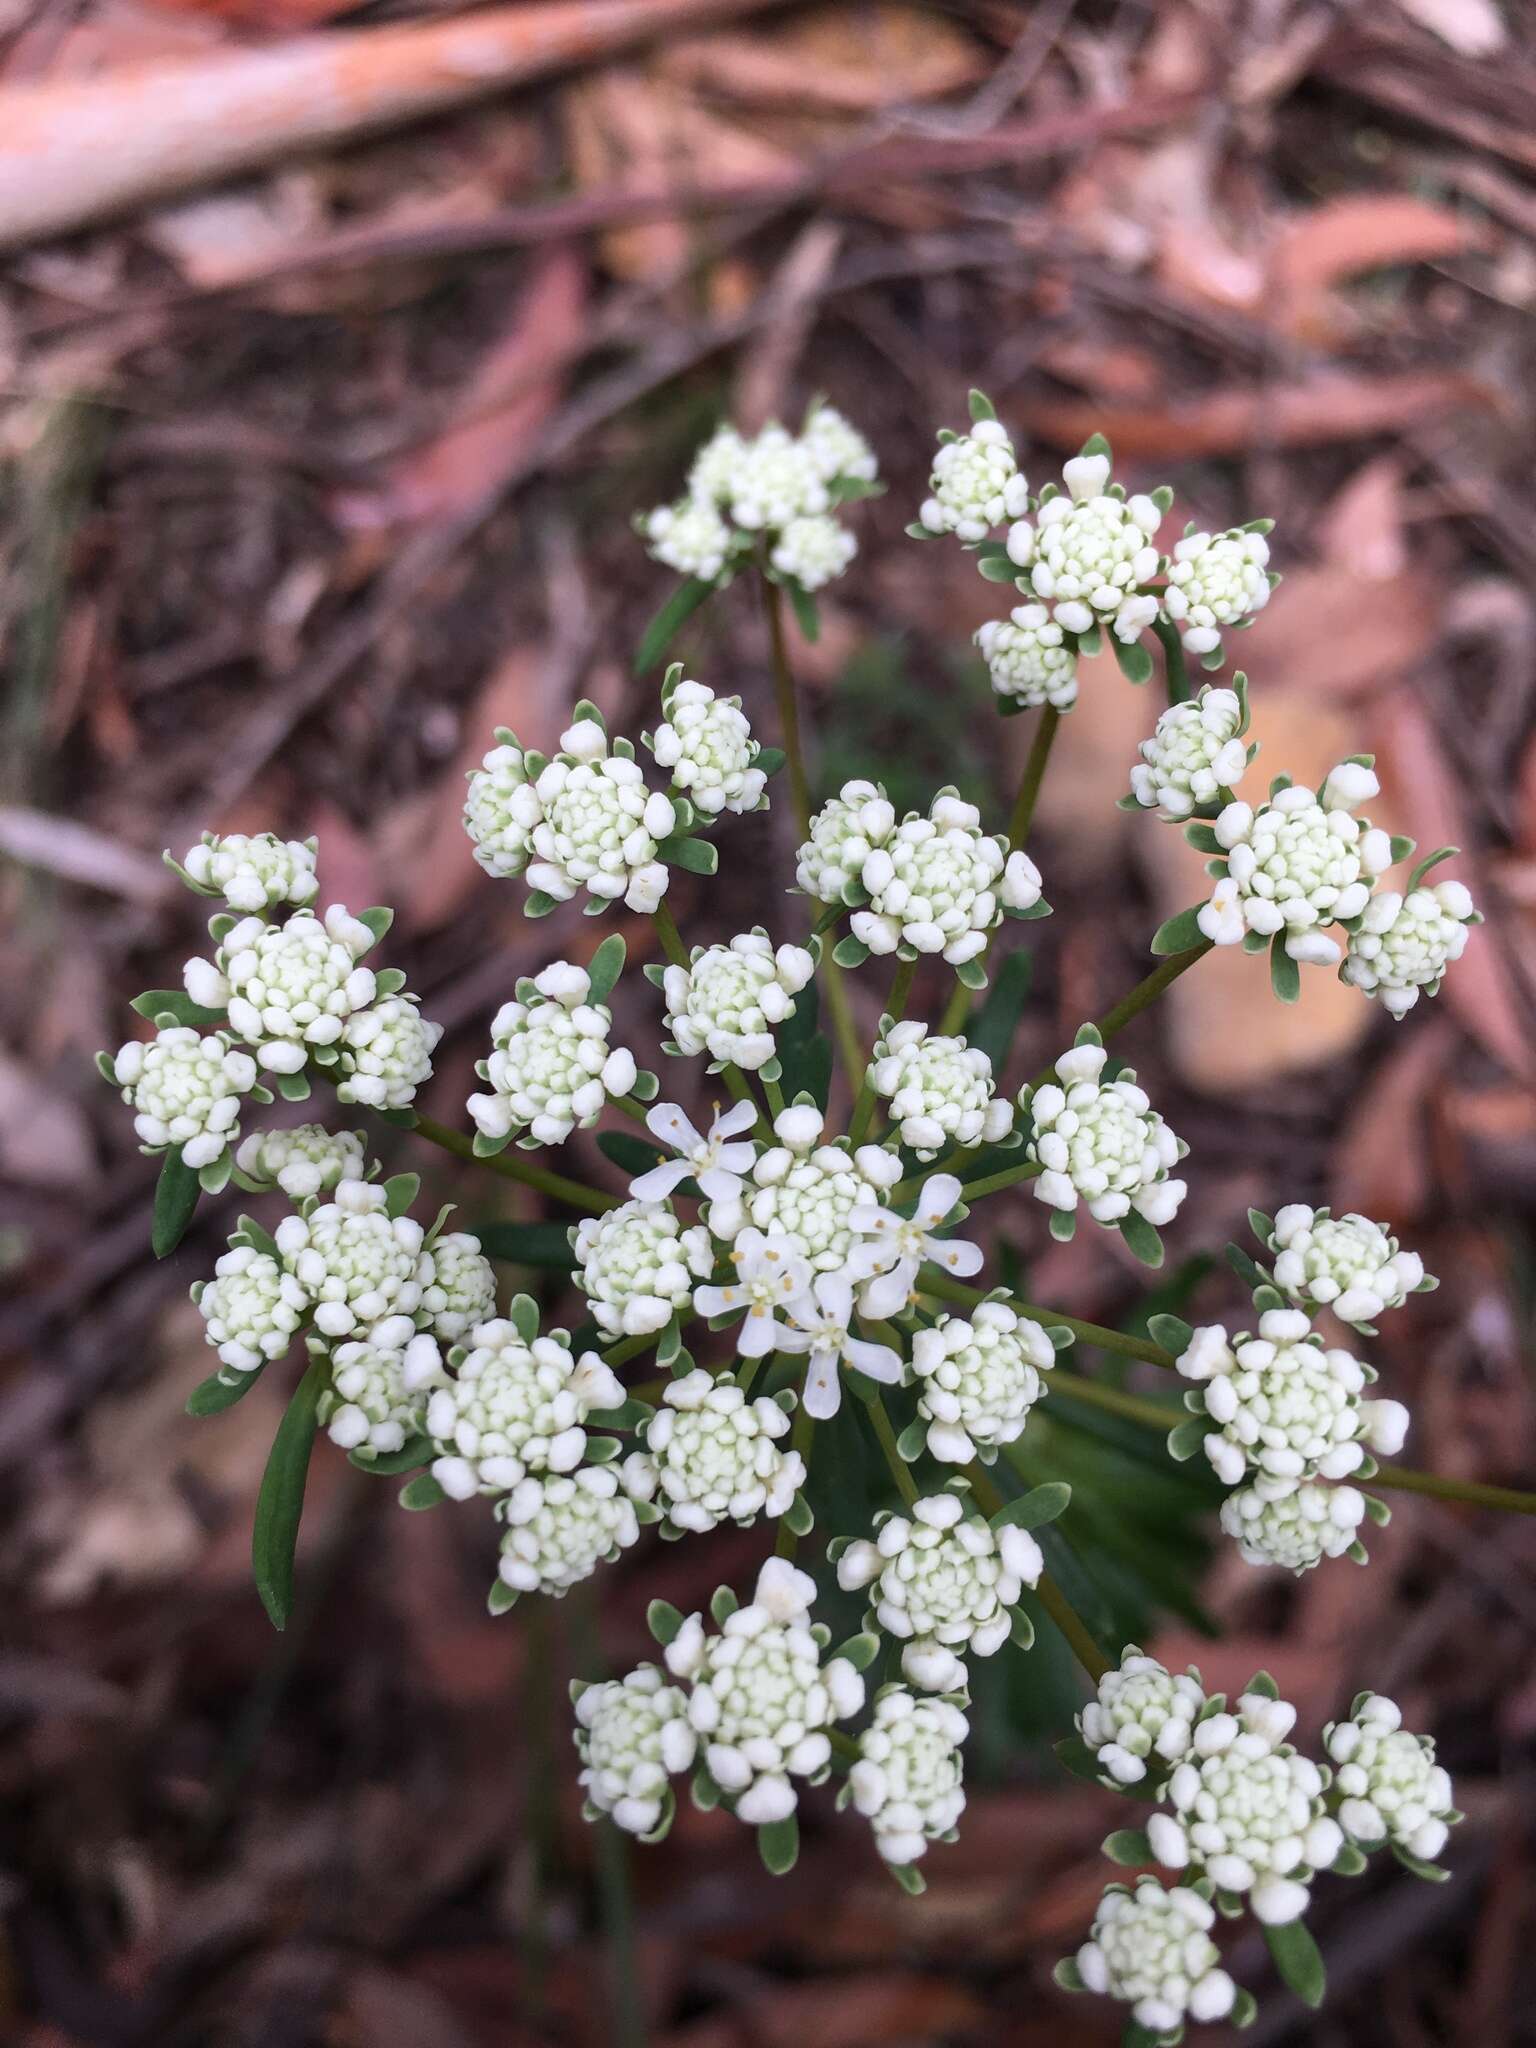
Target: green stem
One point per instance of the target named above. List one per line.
(628, 1348)
(885, 1436)
(896, 1007)
(775, 1095)
(635, 1111)
(1019, 822)
(992, 1182)
(800, 1440)
(1473, 1492)
(1175, 669)
(931, 1281)
(574, 1193)
(1047, 1592)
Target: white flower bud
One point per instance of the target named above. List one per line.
(252, 872)
(946, 1583)
(386, 1054)
(252, 1308)
(979, 1379)
(718, 1456)
(1101, 1143)
(185, 1091)
(1195, 753)
(1391, 1789)
(636, 1264)
(729, 999)
(304, 1160)
(1142, 1717)
(373, 1404)
(976, 484)
(462, 1290)
(1027, 654)
(559, 1529)
(551, 1066)
(707, 745)
(844, 832)
(633, 1737)
(1215, 581)
(908, 1781)
(1405, 943)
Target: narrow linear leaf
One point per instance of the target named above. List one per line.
(527, 1244)
(674, 614)
(1179, 933)
(807, 617)
(176, 1194)
(280, 1502)
(214, 1394)
(1034, 1509)
(1298, 1961)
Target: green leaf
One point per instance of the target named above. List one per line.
(722, 1605)
(280, 1502)
(523, 1314)
(972, 974)
(912, 1441)
(527, 1244)
(605, 967)
(214, 1394)
(1202, 838)
(293, 1087)
(994, 1025)
(998, 568)
(1264, 1685)
(410, 1457)
(1298, 1961)
(860, 1650)
(1172, 1332)
(1034, 1509)
(909, 1877)
(1128, 1846)
(981, 406)
(807, 617)
(673, 616)
(176, 1194)
(1179, 933)
(1284, 974)
(798, 1518)
(399, 1193)
(176, 1004)
(1063, 1225)
(1247, 1269)
(420, 1493)
(1021, 1630)
(214, 1178)
(500, 1597)
(1066, 1976)
(1141, 1239)
(1186, 1438)
(663, 1620)
(1349, 1862)
(1430, 860)
(1432, 1873)
(1134, 659)
(850, 952)
(779, 1845)
(1074, 1755)
(705, 1792)
(378, 920)
(1096, 445)
(696, 855)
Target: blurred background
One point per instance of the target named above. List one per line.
(327, 393)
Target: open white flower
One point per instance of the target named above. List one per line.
(908, 1781)
(252, 1307)
(760, 1697)
(807, 1191)
(940, 884)
(944, 1583)
(1152, 1950)
(718, 1456)
(770, 1274)
(1101, 1143)
(551, 1066)
(894, 1247)
(979, 1378)
(818, 1325)
(357, 1263)
(379, 1388)
(1196, 751)
(976, 484)
(1293, 1523)
(636, 1264)
(730, 999)
(1029, 658)
(1344, 1263)
(1296, 863)
(706, 743)
(1405, 943)
(1285, 1405)
(713, 1161)
(1246, 1810)
(633, 1737)
(304, 1160)
(1216, 580)
(599, 826)
(1143, 1715)
(185, 1091)
(252, 872)
(939, 1089)
(514, 1405)
(1391, 1789)
(561, 1527)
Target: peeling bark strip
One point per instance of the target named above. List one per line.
(74, 152)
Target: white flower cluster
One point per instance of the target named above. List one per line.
(1101, 1143)
(1090, 551)
(760, 1696)
(908, 1780)
(1247, 1811)
(706, 743)
(718, 1456)
(1216, 580)
(1404, 944)
(551, 1065)
(1294, 1523)
(561, 1526)
(805, 1192)
(1390, 1788)
(939, 1089)
(1296, 863)
(978, 1379)
(380, 1386)
(930, 885)
(461, 1291)
(356, 1262)
(253, 1308)
(1151, 1949)
(633, 1737)
(1195, 753)
(1141, 1711)
(185, 1091)
(598, 826)
(729, 1000)
(976, 483)
(515, 1405)
(944, 1583)
(501, 808)
(1030, 659)
(1344, 1263)
(636, 1264)
(288, 988)
(1284, 1405)
(304, 1160)
(775, 484)
(252, 872)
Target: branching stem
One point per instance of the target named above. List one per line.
(896, 1007)
(1049, 1594)
(511, 1166)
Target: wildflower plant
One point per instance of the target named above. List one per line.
(794, 1243)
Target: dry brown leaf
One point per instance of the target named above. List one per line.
(1474, 28)
(45, 1137)
(1359, 232)
(842, 60)
(1334, 407)
(1381, 1164)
